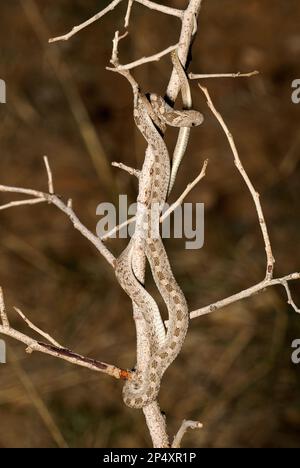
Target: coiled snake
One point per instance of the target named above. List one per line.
(165, 345)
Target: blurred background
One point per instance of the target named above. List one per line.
(235, 372)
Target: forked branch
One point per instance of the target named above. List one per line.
(53, 348)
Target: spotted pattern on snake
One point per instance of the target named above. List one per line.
(143, 389)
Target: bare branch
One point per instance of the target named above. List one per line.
(289, 295)
(3, 314)
(254, 193)
(124, 167)
(110, 7)
(128, 13)
(54, 349)
(161, 8)
(143, 60)
(196, 76)
(183, 429)
(68, 210)
(24, 191)
(49, 174)
(38, 330)
(31, 201)
(118, 228)
(259, 287)
(86, 23)
(188, 189)
(115, 49)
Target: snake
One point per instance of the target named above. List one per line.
(184, 132)
(150, 116)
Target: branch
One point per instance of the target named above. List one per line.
(184, 194)
(259, 287)
(183, 429)
(186, 35)
(156, 423)
(110, 7)
(124, 167)
(31, 201)
(289, 296)
(65, 208)
(196, 76)
(3, 315)
(161, 8)
(143, 60)
(54, 349)
(255, 195)
(38, 330)
(86, 23)
(49, 174)
(128, 13)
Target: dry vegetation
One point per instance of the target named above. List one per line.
(235, 366)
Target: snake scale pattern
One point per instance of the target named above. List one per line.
(165, 344)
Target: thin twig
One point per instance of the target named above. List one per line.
(289, 295)
(38, 330)
(162, 8)
(49, 174)
(259, 287)
(55, 349)
(197, 76)
(124, 167)
(115, 49)
(147, 3)
(143, 60)
(188, 189)
(86, 23)
(3, 314)
(128, 13)
(183, 429)
(255, 195)
(68, 210)
(31, 201)
(118, 228)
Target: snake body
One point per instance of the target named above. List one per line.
(165, 345)
(184, 132)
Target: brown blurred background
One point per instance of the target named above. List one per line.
(235, 372)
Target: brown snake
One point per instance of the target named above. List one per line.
(165, 345)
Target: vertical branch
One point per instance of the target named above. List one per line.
(156, 424)
(3, 314)
(255, 195)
